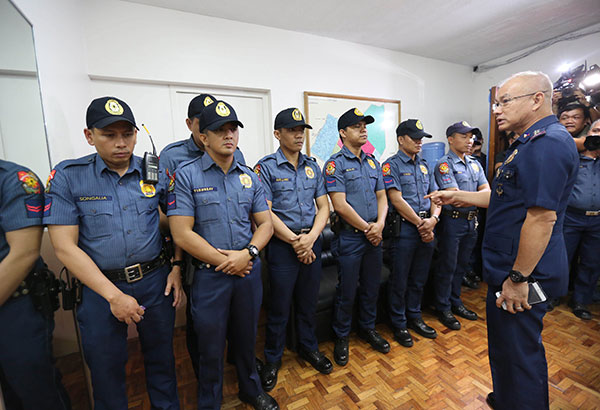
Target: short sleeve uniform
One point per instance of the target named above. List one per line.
(466, 175)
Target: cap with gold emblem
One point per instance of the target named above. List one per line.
(412, 128)
(353, 116)
(198, 104)
(217, 114)
(107, 110)
(461, 127)
(290, 118)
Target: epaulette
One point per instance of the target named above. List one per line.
(538, 133)
(88, 159)
(245, 166)
(311, 158)
(173, 145)
(189, 161)
(267, 157)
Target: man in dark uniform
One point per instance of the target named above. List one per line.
(210, 212)
(293, 183)
(28, 377)
(355, 185)
(582, 225)
(524, 239)
(171, 157)
(457, 231)
(103, 218)
(408, 179)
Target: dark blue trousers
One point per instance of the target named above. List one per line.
(359, 267)
(456, 238)
(28, 377)
(218, 298)
(517, 356)
(291, 281)
(411, 260)
(583, 232)
(104, 341)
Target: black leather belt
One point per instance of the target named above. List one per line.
(468, 215)
(301, 231)
(582, 212)
(135, 272)
(199, 264)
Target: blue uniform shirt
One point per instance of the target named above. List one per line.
(179, 151)
(452, 172)
(117, 216)
(292, 191)
(586, 192)
(221, 204)
(21, 201)
(359, 179)
(413, 179)
(540, 171)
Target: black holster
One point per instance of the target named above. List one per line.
(393, 224)
(43, 289)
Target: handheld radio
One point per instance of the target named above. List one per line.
(150, 162)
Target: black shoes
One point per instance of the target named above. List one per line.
(340, 351)
(261, 402)
(462, 311)
(318, 360)
(552, 303)
(268, 375)
(259, 366)
(491, 400)
(374, 339)
(421, 328)
(403, 337)
(448, 320)
(470, 282)
(581, 312)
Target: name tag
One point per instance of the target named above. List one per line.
(205, 189)
(93, 198)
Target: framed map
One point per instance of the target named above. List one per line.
(323, 110)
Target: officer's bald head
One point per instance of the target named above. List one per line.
(530, 82)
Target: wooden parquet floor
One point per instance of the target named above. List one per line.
(450, 372)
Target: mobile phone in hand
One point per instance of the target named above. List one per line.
(536, 295)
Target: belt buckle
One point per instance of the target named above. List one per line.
(592, 213)
(133, 273)
(422, 214)
(304, 230)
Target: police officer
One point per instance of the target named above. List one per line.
(355, 185)
(170, 158)
(103, 218)
(28, 377)
(210, 213)
(407, 179)
(582, 225)
(293, 183)
(457, 231)
(523, 239)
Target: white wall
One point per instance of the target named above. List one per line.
(125, 40)
(547, 60)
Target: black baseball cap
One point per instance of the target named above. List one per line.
(104, 111)
(353, 116)
(198, 104)
(217, 114)
(290, 118)
(412, 128)
(461, 127)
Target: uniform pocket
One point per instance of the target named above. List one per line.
(148, 216)
(96, 219)
(208, 207)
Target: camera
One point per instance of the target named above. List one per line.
(592, 142)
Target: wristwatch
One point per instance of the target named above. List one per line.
(437, 218)
(516, 276)
(253, 251)
(177, 263)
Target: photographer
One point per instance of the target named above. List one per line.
(582, 224)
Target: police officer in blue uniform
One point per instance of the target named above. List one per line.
(407, 179)
(210, 211)
(103, 218)
(355, 185)
(457, 231)
(170, 158)
(523, 239)
(582, 224)
(293, 183)
(28, 377)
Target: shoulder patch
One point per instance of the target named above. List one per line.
(257, 170)
(330, 168)
(386, 169)
(444, 168)
(49, 181)
(29, 182)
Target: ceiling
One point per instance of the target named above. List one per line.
(468, 32)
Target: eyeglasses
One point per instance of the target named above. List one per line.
(505, 101)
